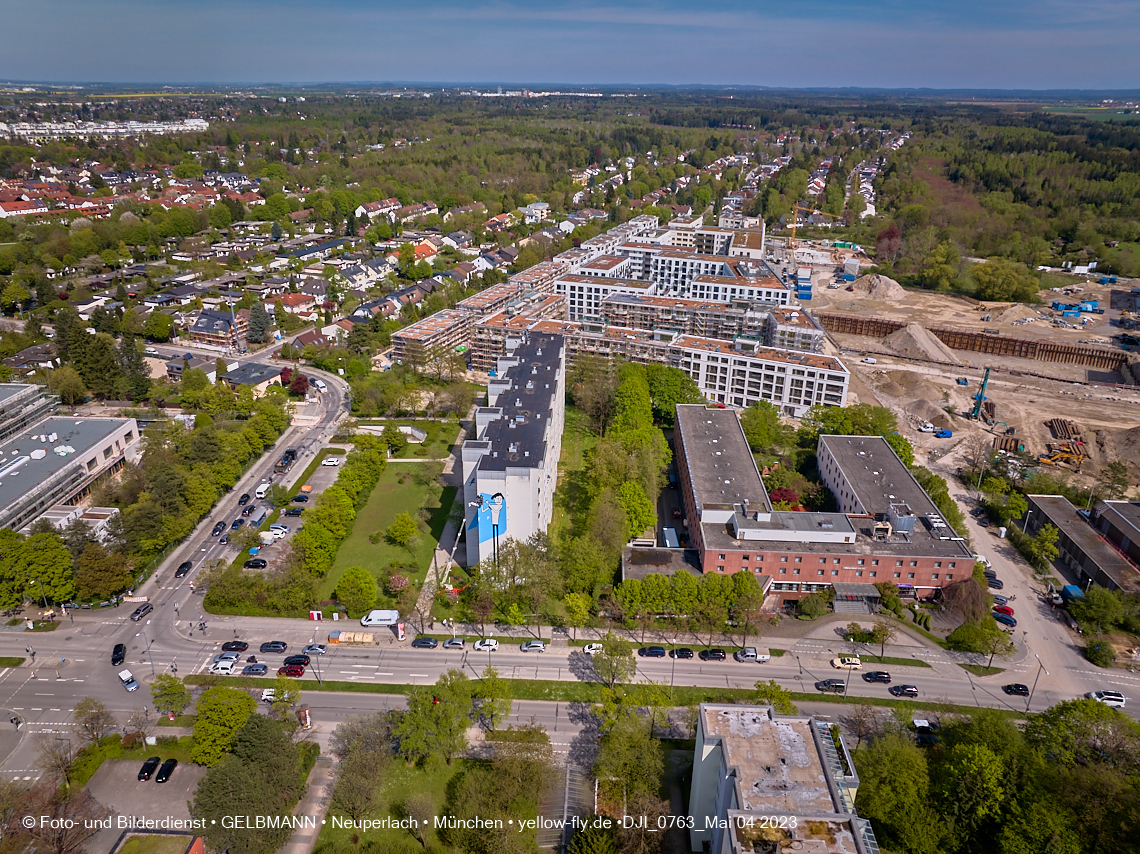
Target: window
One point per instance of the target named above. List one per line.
(835, 572)
(898, 563)
(934, 575)
(799, 560)
(720, 569)
(949, 576)
(937, 563)
(744, 558)
(861, 561)
(859, 573)
(873, 574)
(835, 560)
(720, 557)
(783, 571)
(875, 562)
(107, 452)
(796, 571)
(823, 560)
(914, 563)
(784, 559)
(819, 572)
(951, 564)
(898, 575)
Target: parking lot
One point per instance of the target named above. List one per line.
(117, 787)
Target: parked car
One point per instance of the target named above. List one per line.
(235, 646)
(256, 563)
(330, 461)
(300, 660)
(683, 652)
(1004, 609)
(533, 646)
(712, 655)
(118, 654)
(995, 583)
(268, 695)
(1000, 600)
(877, 676)
(294, 671)
(300, 499)
(869, 361)
(218, 528)
(273, 646)
(244, 500)
(141, 611)
(1005, 619)
(183, 568)
(847, 662)
(293, 511)
(453, 643)
(652, 652)
(1109, 698)
(831, 686)
(1016, 689)
(943, 434)
(255, 670)
(486, 645)
(592, 648)
(148, 768)
(904, 690)
(315, 649)
(166, 770)
(425, 643)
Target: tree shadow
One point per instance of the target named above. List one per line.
(584, 748)
(582, 667)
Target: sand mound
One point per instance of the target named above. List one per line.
(1018, 311)
(879, 288)
(917, 342)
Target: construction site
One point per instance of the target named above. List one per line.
(1054, 397)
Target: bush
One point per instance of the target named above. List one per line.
(166, 740)
(1100, 653)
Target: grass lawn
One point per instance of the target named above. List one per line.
(151, 844)
(395, 784)
(981, 669)
(11, 660)
(890, 659)
(571, 502)
(441, 435)
(421, 489)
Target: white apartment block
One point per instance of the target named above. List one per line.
(510, 470)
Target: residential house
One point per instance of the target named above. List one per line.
(36, 357)
(221, 329)
(176, 367)
(297, 303)
(383, 208)
(255, 375)
(535, 212)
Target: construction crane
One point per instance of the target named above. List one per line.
(795, 211)
(980, 397)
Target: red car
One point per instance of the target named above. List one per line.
(676, 513)
(1004, 609)
(296, 671)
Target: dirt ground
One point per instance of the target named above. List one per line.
(931, 309)
(916, 393)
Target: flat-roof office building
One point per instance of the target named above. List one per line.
(23, 404)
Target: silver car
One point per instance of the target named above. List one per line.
(533, 646)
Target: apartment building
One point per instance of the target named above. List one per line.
(220, 329)
(491, 333)
(445, 329)
(751, 765)
(584, 294)
(510, 468)
(887, 528)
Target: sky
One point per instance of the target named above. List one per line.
(940, 44)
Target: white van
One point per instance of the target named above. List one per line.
(380, 618)
(262, 490)
(321, 387)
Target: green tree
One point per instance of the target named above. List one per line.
(221, 713)
(158, 327)
(577, 609)
(436, 720)
(101, 574)
(492, 696)
(629, 753)
(93, 719)
(762, 427)
(1041, 548)
(973, 788)
(14, 296)
(940, 267)
(169, 694)
(894, 793)
(66, 382)
(357, 591)
(45, 560)
(403, 530)
(1003, 280)
(615, 663)
(771, 694)
(639, 512)
(286, 695)
(1099, 606)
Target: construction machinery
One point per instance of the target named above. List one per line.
(982, 411)
(1065, 452)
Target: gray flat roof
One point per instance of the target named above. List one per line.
(718, 537)
(83, 434)
(1062, 514)
(1124, 515)
(10, 390)
(720, 464)
(876, 474)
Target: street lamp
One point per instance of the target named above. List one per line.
(41, 584)
(1025, 524)
(147, 642)
(673, 669)
(1040, 669)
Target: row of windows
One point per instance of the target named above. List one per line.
(860, 561)
(858, 573)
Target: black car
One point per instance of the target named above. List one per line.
(244, 500)
(683, 652)
(148, 768)
(218, 528)
(237, 523)
(425, 643)
(166, 770)
(877, 676)
(831, 686)
(294, 511)
(183, 568)
(290, 453)
(273, 646)
(248, 511)
(1016, 689)
(235, 646)
(904, 690)
(712, 655)
(652, 652)
(301, 499)
(302, 660)
(995, 583)
(224, 539)
(256, 563)
(118, 654)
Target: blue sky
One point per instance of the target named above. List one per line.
(797, 43)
